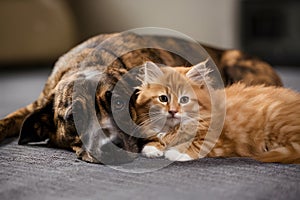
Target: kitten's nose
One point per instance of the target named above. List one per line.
(173, 112)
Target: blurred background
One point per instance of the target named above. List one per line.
(41, 30)
(34, 33)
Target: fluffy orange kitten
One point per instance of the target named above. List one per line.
(174, 110)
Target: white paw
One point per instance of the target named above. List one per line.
(152, 152)
(174, 155)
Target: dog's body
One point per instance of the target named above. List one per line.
(106, 58)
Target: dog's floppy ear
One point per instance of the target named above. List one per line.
(38, 125)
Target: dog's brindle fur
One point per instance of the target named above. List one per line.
(50, 116)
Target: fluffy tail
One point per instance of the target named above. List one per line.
(10, 126)
(287, 154)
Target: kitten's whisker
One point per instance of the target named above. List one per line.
(144, 127)
(152, 114)
(201, 122)
(150, 121)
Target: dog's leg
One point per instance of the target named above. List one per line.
(10, 126)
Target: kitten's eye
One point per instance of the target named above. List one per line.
(163, 98)
(184, 99)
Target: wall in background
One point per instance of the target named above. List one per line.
(35, 30)
(213, 22)
(42, 30)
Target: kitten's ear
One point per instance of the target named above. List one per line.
(151, 73)
(199, 73)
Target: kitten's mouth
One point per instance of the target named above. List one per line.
(173, 119)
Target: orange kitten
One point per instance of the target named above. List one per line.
(174, 111)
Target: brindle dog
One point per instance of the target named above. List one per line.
(106, 58)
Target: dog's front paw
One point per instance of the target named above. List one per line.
(152, 152)
(86, 156)
(175, 155)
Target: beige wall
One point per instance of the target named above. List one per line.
(211, 21)
(33, 30)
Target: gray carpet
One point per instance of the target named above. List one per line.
(37, 172)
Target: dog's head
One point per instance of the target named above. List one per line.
(88, 114)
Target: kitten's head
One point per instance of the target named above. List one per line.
(171, 96)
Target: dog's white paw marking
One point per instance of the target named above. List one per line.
(152, 152)
(174, 155)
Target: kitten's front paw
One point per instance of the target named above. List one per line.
(152, 152)
(174, 155)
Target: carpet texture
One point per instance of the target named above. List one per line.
(38, 172)
(35, 172)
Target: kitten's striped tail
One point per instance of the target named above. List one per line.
(10, 126)
(287, 154)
